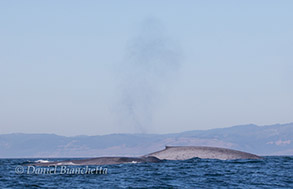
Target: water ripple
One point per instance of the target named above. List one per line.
(270, 172)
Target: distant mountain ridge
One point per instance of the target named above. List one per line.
(261, 140)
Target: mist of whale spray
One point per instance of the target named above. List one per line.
(152, 61)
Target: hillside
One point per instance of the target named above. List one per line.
(262, 140)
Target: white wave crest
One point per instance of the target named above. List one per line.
(42, 161)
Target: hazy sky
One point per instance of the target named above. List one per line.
(99, 67)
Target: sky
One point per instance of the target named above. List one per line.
(150, 66)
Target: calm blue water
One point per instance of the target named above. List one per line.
(271, 172)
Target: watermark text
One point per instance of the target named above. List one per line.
(61, 170)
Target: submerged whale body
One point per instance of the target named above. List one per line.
(169, 153)
(203, 152)
(101, 161)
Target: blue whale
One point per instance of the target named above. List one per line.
(169, 153)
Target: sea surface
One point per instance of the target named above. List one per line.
(270, 172)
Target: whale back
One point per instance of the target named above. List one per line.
(188, 152)
(169, 153)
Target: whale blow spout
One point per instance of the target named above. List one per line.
(203, 152)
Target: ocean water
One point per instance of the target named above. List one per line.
(270, 172)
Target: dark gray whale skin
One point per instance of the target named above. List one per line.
(169, 153)
(101, 161)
